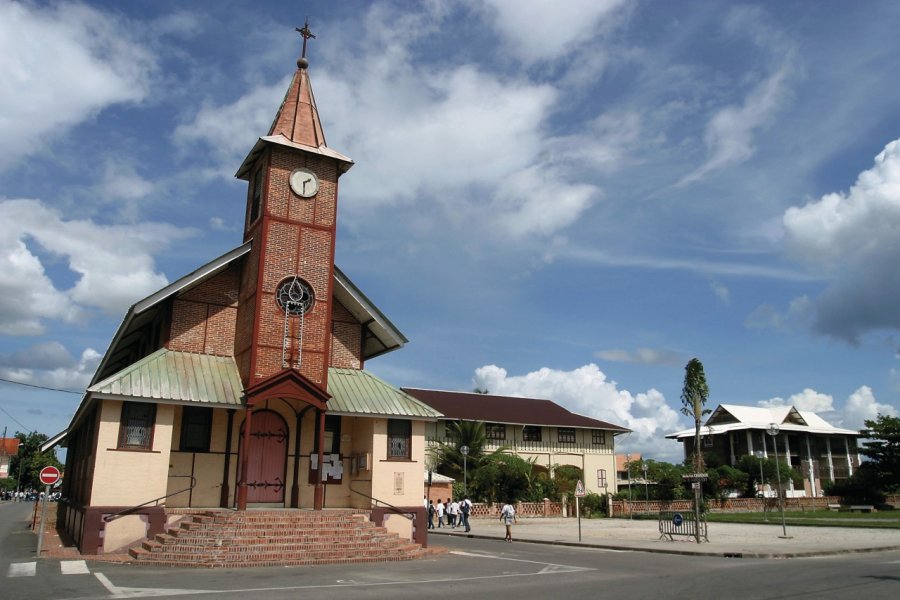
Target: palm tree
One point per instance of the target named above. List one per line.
(447, 458)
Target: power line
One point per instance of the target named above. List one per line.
(40, 387)
(25, 427)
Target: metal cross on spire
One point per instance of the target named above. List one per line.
(307, 34)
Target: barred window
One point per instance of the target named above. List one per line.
(136, 428)
(531, 433)
(399, 439)
(196, 424)
(566, 435)
(495, 431)
(601, 478)
(598, 437)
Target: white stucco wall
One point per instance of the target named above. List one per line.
(130, 477)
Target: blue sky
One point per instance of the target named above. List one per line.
(566, 200)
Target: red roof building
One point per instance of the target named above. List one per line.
(532, 428)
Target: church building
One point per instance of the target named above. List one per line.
(242, 385)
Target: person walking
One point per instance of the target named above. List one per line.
(431, 512)
(440, 513)
(465, 507)
(454, 514)
(508, 517)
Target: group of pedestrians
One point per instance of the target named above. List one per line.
(457, 514)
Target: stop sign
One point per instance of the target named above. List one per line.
(49, 475)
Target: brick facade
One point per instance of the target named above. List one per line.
(204, 318)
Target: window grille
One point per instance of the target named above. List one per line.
(136, 428)
(399, 439)
(531, 433)
(495, 431)
(598, 437)
(566, 435)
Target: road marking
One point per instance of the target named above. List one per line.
(133, 592)
(548, 567)
(74, 567)
(22, 569)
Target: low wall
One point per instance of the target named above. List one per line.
(523, 509)
(729, 505)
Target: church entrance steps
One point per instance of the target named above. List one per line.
(228, 539)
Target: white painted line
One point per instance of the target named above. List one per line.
(132, 592)
(74, 567)
(22, 569)
(548, 567)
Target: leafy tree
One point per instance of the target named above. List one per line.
(447, 458)
(883, 450)
(26, 465)
(694, 395)
(668, 479)
(502, 478)
(567, 477)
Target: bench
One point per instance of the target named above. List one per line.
(834, 507)
(860, 508)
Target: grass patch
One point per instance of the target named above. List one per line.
(821, 518)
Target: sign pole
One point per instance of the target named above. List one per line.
(43, 514)
(48, 476)
(578, 513)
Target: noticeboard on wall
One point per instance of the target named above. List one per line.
(333, 468)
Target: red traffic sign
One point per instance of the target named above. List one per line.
(50, 475)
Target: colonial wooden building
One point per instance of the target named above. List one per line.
(815, 448)
(243, 384)
(535, 429)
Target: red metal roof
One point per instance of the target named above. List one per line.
(9, 446)
(506, 409)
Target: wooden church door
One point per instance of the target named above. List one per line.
(267, 458)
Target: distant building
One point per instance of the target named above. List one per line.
(626, 470)
(813, 447)
(8, 448)
(532, 429)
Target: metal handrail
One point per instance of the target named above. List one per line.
(395, 509)
(122, 513)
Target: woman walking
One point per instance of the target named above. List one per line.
(508, 516)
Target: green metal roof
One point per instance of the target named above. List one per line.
(361, 393)
(170, 376)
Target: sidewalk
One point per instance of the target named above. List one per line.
(725, 539)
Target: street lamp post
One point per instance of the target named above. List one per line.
(628, 466)
(762, 484)
(464, 450)
(18, 469)
(774, 430)
(645, 467)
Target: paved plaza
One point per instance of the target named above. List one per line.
(725, 539)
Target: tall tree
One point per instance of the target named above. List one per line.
(883, 448)
(26, 465)
(694, 395)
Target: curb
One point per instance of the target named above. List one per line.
(717, 554)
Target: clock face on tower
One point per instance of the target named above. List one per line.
(304, 183)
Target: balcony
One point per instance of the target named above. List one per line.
(542, 447)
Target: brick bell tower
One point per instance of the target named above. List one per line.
(283, 333)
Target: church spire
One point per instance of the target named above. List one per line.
(298, 118)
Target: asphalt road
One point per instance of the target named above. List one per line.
(471, 569)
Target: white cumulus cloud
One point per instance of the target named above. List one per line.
(113, 265)
(543, 30)
(851, 238)
(60, 65)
